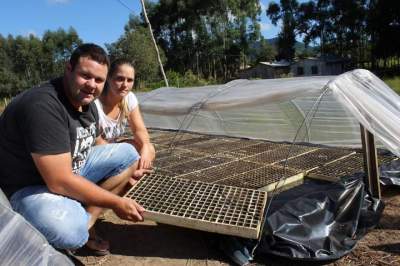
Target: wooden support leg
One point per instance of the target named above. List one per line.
(370, 162)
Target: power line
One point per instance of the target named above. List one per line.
(152, 36)
(127, 7)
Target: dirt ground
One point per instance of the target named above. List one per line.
(149, 243)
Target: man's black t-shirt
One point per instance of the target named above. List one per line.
(42, 121)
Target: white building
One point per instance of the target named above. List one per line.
(318, 66)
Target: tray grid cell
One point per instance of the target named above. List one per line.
(261, 177)
(222, 171)
(285, 151)
(227, 146)
(177, 158)
(342, 167)
(198, 139)
(194, 165)
(197, 205)
(255, 148)
(346, 166)
(163, 136)
(316, 158)
(175, 138)
(240, 144)
(170, 152)
(217, 145)
(158, 134)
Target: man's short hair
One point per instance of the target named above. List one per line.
(91, 50)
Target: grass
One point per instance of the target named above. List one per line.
(3, 103)
(393, 82)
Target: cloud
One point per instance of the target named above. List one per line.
(263, 7)
(264, 26)
(58, 1)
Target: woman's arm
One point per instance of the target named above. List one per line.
(146, 149)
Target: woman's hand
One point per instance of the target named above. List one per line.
(147, 155)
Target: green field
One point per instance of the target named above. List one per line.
(394, 83)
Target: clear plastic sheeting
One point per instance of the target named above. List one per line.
(321, 110)
(21, 243)
(232, 95)
(372, 103)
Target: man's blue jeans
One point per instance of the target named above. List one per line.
(62, 220)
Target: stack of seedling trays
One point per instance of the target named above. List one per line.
(346, 166)
(220, 184)
(198, 205)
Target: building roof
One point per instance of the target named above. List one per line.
(281, 63)
(324, 58)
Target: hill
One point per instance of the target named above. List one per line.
(299, 46)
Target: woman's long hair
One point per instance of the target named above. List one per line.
(122, 105)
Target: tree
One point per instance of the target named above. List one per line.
(286, 13)
(266, 52)
(28, 61)
(136, 45)
(383, 24)
(338, 25)
(314, 22)
(8, 79)
(349, 22)
(57, 48)
(210, 38)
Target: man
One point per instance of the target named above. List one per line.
(48, 166)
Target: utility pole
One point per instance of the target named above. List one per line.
(154, 42)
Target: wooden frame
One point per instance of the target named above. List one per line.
(370, 162)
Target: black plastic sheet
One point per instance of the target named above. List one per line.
(316, 221)
(319, 220)
(390, 173)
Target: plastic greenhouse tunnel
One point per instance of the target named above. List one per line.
(296, 139)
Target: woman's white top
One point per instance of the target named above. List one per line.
(109, 127)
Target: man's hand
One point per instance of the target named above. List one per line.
(130, 210)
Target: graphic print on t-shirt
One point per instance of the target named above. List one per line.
(85, 138)
(111, 133)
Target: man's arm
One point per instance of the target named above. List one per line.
(57, 173)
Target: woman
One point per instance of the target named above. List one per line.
(118, 107)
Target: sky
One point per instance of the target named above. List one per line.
(100, 21)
